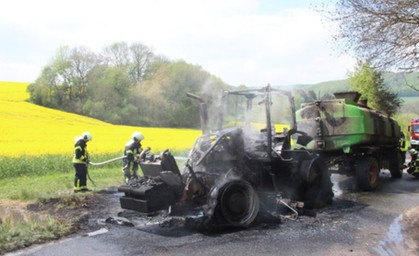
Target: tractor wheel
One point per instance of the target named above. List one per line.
(395, 165)
(318, 186)
(237, 203)
(367, 172)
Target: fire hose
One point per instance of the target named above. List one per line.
(113, 160)
(181, 158)
(108, 161)
(102, 163)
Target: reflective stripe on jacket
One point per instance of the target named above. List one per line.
(132, 149)
(80, 152)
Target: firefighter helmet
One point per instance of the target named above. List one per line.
(137, 136)
(87, 136)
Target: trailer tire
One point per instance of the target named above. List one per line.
(367, 172)
(395, 165)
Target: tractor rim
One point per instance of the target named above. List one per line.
(239, 203)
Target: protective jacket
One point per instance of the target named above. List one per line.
(80, 161)
(80, 152)
(130, 162)
(132, 150)
(414, 163)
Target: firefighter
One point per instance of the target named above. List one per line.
(414, 163)
(404, 146)
(80, 162)
(131, 153)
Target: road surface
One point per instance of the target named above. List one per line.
(357, 223)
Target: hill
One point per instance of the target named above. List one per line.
(397, 82)
(29, 129)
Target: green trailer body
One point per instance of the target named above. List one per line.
(341, 124)
(352, 135)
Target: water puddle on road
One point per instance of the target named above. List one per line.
(393, 244)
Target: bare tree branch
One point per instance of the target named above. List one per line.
(384, 33)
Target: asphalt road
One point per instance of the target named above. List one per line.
(357, 223)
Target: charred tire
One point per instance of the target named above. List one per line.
(395, 165)
(367, 172)
(237, 203)
(317, 189)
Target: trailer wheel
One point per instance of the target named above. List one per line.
(317, 186)
(238, 203)
(367, 172)
(395, 165)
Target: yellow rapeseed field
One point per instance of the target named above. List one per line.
(28, 129)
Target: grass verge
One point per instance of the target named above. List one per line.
(28, 188)
(35, 166)
(32, 180)
(19, 235)
(20, 227)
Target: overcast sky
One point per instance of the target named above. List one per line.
(251, 42)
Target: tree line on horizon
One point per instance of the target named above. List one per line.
(124, 84)
(130, 85)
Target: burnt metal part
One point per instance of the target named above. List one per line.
(236, 173)
(147, 198)
(160, 187)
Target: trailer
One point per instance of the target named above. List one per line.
(358, 140)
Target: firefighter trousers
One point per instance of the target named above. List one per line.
(80, 178)
(130, 170)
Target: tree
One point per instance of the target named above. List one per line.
(369, 82)
(63, 82)
(82, 61)
(134, 58)
(383, 33)
(163, 99)
(45, 91)
(108, 96)
(116, 54)
(141, 56)
(124, 85)
(61, 70)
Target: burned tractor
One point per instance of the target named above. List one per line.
(354, 139)
(253, 161)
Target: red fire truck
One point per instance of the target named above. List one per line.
(414, 133)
